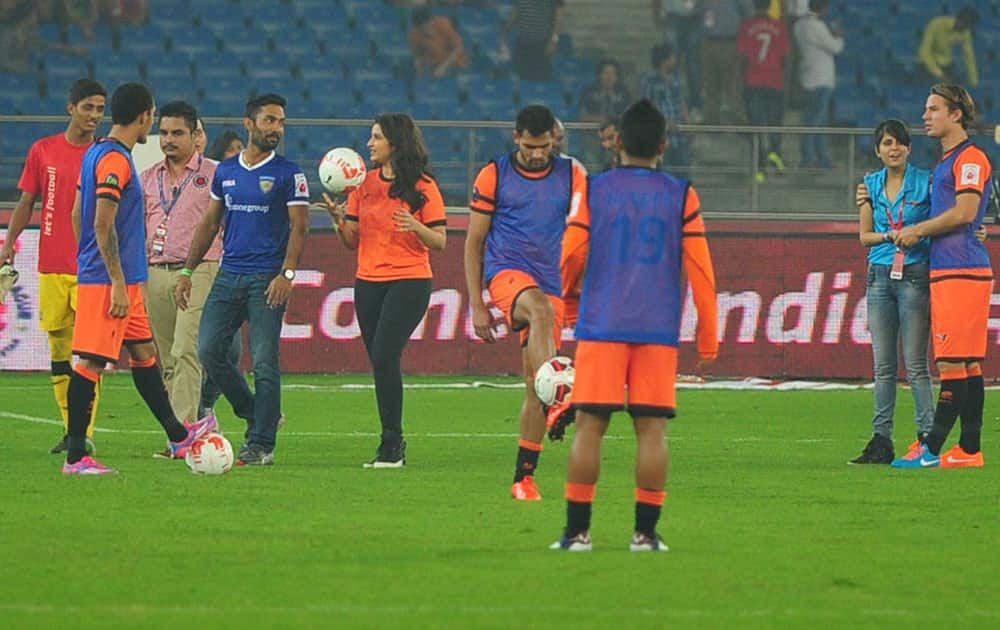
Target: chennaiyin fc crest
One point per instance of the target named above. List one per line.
(266, 184)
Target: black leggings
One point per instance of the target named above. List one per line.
(388, 312)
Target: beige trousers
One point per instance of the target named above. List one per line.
(176, 333)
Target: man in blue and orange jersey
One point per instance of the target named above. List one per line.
(50, 175)
(961, 280)
(109, 220)
(519, 207)
(638, 231)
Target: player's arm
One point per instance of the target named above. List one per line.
(701, 273)
(113, 173)
(866, 219)
(575, 248)
(431, 226)
(204, 234)
(18, 221)
(280, 288)
(482, 206)
(972, 172)
(76, 216)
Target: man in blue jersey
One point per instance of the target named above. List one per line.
(263, 199)
(109, 221)
(630, 243)
(519, 206)
(961, 277)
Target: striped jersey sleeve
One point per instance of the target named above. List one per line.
(701, 274)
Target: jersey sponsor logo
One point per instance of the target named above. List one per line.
(301, 186)
(228, 183)
(971, 174)
(201, 181)
(266, 183)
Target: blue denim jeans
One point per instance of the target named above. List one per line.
(236, 298)
(816, 113)
(900, 309)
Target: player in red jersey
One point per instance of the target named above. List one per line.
(50, 175)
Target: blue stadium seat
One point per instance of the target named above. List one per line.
(64, 69)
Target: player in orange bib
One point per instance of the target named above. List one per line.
(629, 245)
(961, 277)
(50, 175)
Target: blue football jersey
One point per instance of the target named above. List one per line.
(257, 199)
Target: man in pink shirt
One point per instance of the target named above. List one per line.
(176, 191)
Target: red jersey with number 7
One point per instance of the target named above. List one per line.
(764, 43)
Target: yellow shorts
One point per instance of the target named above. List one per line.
(56, 301)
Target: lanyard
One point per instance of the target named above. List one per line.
(168, 208)
(888, 213)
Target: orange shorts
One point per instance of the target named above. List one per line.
(507, 286)
(960, 310)
(605, 368)
(97, 335)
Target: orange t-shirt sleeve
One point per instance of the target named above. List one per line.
(353, 204)
(972, 171)
(113, 173)
(575, 248)
(701, 274)
(433, 213)
(484, 190)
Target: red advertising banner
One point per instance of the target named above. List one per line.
(791, 304)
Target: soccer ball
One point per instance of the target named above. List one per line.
(211, 454)
(554, 380)
(342, 170)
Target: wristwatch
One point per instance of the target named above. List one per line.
(289, 274)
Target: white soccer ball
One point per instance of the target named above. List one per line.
(554, 380)
(211, 454)
(342, 170)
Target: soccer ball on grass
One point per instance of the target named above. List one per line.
(211, 454)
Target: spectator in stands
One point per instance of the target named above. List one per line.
(200, 135)
(818, 44)
(898, 307)
(436, 46)
(663, 87)
(393, 219)
(83, 13)
(606, 97)
(608, 134)
(537, 24)
(225, 146)
(126, 12)
(19, 20)
(719, 60)
(941, 35)
(764, 45)
(683, 22)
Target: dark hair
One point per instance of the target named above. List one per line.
(181, 109)
(535, 119)
(661, 53)
(958, 98)
(604, 63)
(84, 88)
(761, 5)
(421, 16)
(218, 149)
(130, 101)
(894, 128)
(256, 103)
(966, 18)
(643, 129)
(608, 121)
(408, 157)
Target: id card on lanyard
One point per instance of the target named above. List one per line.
(898, 260)
(160, 234)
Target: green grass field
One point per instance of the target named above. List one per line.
(767, 525)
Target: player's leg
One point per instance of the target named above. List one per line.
(403, 307)
(974, 341)
(535, 308)
(368, 300)
(162, 309)
(185, 393)
(210, 391)
(224, 312)
(652, 400)
(529, 445)
(883, 322)
(265, 339)
(914, 328)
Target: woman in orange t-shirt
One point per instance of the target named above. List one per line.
(394, 218)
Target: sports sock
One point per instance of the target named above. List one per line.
(80, 399)
(972, 412)
(62, 373)
(579, 500)
(527, 459)
(648, 505)
(951, 400)
(148, 380)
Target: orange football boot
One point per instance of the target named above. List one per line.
(526, 490)
(958, 458)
